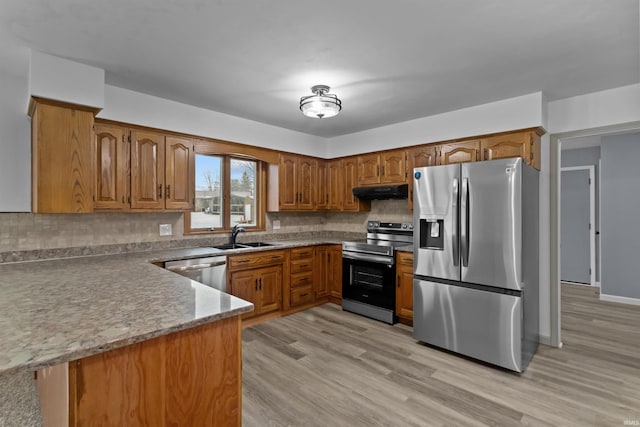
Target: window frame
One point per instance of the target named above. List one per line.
(261, 194)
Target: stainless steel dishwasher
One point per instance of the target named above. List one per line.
(210, 271)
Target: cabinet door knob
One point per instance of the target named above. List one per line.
(168, 195)
(160, 191)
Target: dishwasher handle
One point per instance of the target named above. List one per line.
(178, 268)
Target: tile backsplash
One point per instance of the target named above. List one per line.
(26, 231)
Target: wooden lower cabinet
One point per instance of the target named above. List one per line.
(404, 287)
(334, 275)
(258, 277)
(301, 268)
(187, 378)
(260, 286)
(321, 270)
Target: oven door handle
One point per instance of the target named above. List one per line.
(378, 259)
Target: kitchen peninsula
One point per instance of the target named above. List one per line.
(130, 340)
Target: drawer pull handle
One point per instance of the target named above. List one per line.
(303, 295)
(275, 256)
(243, 260)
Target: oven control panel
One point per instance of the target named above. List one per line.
(379, 226)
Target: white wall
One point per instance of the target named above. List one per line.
(137, 108)
(514, 113)
(63, 80)
(593, 110)
(15, 140)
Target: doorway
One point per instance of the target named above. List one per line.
(578, 225)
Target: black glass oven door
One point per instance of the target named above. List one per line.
(369, 282)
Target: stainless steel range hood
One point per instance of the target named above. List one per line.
(382, 192)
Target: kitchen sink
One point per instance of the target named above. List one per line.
(228, 246)
(257, 244)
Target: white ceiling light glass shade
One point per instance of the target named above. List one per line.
(322, 105)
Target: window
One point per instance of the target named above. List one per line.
(227, 193)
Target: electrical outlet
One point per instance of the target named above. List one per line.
(165, 230)
(276, 224)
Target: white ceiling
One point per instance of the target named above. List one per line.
(389, 61)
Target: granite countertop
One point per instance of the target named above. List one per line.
(407, 248)
(54, 311)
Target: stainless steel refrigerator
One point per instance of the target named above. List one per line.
(475, 284)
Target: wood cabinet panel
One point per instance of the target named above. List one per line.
(393, 167)
(179, 172)
(304, 252)
(287, 189)
(322, 185)
(190, 377)
(301, 295)
(63, 160)
(296, 183)
(147, 170)
(306, 176)
(321, 271)
(335, 272)
(270, 288)
(368, 169)
(349, 201)
(304, 278)
(256, 259)
(459, 152)
(521, 144)
(300, 265)
(335, 184)
(112, 167)
(244, 285)
(404, 286)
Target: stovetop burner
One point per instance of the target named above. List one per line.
(382, 238)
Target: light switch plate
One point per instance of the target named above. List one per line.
(276, 224)
(165, 230)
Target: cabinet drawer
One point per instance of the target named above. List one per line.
(252, 260)
(306, 252)
(405, 258)
(300, 265)
(302, 279)
(301, 295)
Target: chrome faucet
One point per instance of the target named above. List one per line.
(234, 233)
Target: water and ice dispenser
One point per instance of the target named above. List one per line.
(432, 233)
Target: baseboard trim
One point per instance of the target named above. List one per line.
(622, 300)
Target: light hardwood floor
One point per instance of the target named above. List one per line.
(326, 367)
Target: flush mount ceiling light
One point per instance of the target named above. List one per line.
(322, 105)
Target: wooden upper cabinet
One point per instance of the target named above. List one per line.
(63, 161)
(335, 184)
(459, 152)
(322, 185)
(522, 144)
(306, 183)
(179, 172)
(147, 170)
(112, 167)
(387, 167)
(393, 168)
(296, 183)
(349, 201)
(368, 169)
(287, 189)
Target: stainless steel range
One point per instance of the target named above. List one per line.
(369, 270)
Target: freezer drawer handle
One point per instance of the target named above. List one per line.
(456, 221)
(464, 226)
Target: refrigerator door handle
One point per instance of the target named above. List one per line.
(456, 223)
(464, 222)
